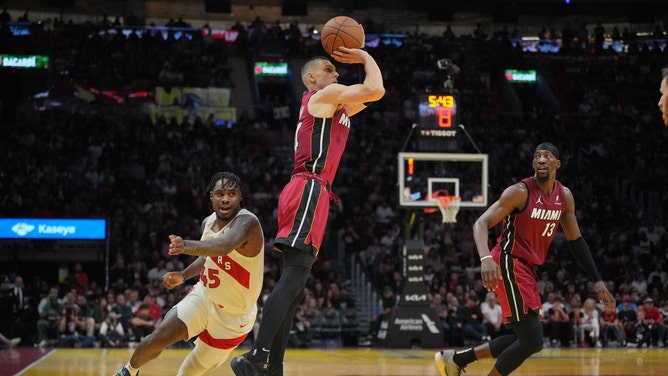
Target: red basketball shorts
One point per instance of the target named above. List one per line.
(303, 208)
(518, 293)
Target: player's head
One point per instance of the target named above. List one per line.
(318, 72)
(546, 161)
(226, 194)
(663, 101)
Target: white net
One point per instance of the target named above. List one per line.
(449, 207)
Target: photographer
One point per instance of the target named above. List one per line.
(112, 334)
(50, 313)
(73, 329)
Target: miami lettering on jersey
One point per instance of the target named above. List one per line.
(344, 120)
(545, 214)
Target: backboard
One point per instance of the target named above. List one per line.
(423, 176)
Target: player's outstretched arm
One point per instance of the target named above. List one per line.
(242, 231)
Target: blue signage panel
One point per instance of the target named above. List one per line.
(50, 228)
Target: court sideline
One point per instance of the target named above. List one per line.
(27, 361)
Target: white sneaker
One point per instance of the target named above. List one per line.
(446, 364)
(14, 341)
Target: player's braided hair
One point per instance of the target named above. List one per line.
(229, 179)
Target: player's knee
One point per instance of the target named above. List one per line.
(535, 344)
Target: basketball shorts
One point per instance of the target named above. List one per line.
(303, 208)
(518, 293)
(216, 326)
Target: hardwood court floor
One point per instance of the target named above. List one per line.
(361, 362)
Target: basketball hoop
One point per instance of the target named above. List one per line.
(449, 207)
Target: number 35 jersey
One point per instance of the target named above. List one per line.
(234, 281)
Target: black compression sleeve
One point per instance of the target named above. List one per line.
(582, 254)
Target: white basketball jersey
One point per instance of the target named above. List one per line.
(234, 281)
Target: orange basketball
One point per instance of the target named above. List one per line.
(341, 31)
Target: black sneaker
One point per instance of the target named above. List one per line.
(242, 366)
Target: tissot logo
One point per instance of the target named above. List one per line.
(22, 229)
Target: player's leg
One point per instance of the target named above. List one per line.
(296, 271)
(202, 359)
(183, 321)
(529, 334)
(170, 331)
(280, 343)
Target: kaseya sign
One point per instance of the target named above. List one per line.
(53, 228)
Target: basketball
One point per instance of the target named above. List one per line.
(341, 31)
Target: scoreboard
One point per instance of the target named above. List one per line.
(438, 121)
(437, 111)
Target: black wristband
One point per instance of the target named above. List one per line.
(582, 254)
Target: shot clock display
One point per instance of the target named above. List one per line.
(438, 123)
(437, 111)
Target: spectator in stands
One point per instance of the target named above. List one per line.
(78, 279)
(577, 319)
(611, 328)
(641, 333)
(50, 315)
(85, 314)
(663, 101)
(559, 328)
(100, 312)
(455, 320)
(388, 302)
(303, 335)
(627, 315)
(473, 330)
(590, 328)
(154, 309)
(157, 271)
(653, 318)
(492, 316)
(5, 16)
(8, 306)
(122, 308)
(72, 330)
(112, 334)
(343, 300)
(143, 323)
(442, 313)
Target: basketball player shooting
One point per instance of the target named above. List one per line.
(303, 206)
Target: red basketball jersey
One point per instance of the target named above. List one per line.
(320, 142)
(527, 234)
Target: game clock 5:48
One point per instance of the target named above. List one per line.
(437, 111)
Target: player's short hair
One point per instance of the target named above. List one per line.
(309, 65)
(664, 73)
(230, 180)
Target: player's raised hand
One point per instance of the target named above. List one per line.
(350, 55)
(172, 279)
(605, 297)
(176, 245)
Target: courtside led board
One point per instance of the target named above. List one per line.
(423, 176)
